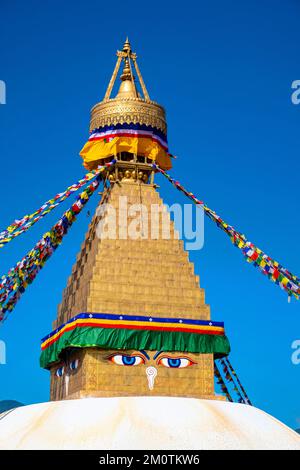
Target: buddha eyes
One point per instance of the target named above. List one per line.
(68, 367)
(175, 362)
(125, 360)
(166, 361)
(74, 364)
(60, 372)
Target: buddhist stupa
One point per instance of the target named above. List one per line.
(132, 352)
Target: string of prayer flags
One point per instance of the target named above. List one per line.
(232, 381)
(268, 266)
(222, 384)
(15, 282)
(235, 377)
(20, 226)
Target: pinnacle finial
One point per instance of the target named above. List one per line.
(129, 59)
(127, 46)
(126, 75)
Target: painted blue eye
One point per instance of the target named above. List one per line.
(174, 362)
(124, 360)
(74, 364)
(60, 372)
(128, 360)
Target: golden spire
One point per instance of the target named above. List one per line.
(129, 89)
(126, 74)
(128, 105)
(127, 46)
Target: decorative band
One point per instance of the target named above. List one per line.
(134, 339)
(129, 130)
(136, 126)
(137, 322)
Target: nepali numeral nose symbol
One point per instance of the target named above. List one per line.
(151, 373)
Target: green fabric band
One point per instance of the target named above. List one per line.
(112, 338)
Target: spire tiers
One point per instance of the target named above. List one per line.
(127, 88)
(128, 106)
(126, 75)
(127, 46)
(144, 276)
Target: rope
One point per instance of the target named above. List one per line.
(271, 268)
(221, 382)
(20, 226)
(230, 376)
(235, 377)
(13, 285)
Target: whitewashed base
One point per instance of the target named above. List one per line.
(143, 423)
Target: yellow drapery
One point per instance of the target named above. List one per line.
(96, 150)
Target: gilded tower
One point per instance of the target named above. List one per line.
(133, 319)
(133, 322)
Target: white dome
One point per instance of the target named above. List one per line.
(143, 423)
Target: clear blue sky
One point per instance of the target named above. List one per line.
(223, 70)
